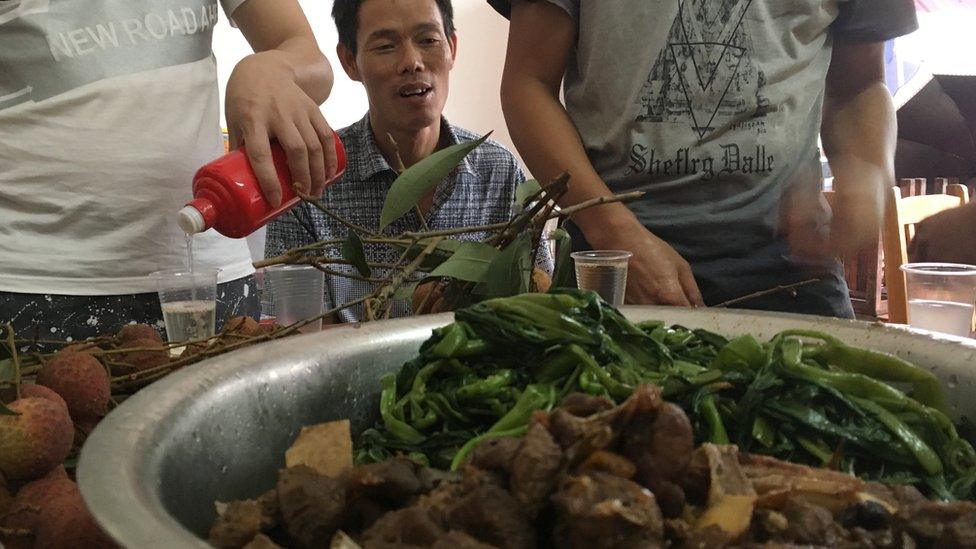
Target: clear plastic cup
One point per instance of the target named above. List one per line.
(604, 272)
(941, 296)
(189, 303)
(296, 294)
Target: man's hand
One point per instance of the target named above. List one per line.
(656, 275)
(275, 95)
(946, 237)
(858, 211)
(264, 103)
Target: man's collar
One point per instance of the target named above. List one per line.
(373, 162)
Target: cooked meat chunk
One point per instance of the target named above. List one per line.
(241, 521)
(583, 405)
(608, 462)
(597, 510)
(491, 514)
(566, 428)
(394, 482)
(869, 515)
(262, 541)
(460, 540)
(409, 527)
(495, 454)
(906, 495)
(697, 477)
(886, 538)
(660, 444)
(312, 505)
(809, 524)
(534, 470)
(939, 524)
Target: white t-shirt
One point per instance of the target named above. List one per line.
(107, 109)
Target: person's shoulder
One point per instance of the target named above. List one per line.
(352, 130)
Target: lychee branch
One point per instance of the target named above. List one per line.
(12, 348)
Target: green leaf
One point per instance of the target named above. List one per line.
(7, 374)
(526, 190)
(444, 250)
(564, 263)
(4, 411)
(416, 180)
(469, 263)
(352, 251)
(406, 291)
(510, 272)
(743, 353)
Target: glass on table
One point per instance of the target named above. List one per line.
(941, 296)
(189, 303)
(604, 272)
(296, 294)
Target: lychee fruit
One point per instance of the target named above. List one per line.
(242, 325)
(143, 359)
(35, 441)
(65, 521)
(266, 329)
(133, 332)
(192, 350)
(82, 382)
(32, 390)
(58, 472)
(26, 507)
(6, 499)
(53, 510)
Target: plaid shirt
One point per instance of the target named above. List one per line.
(480, 191)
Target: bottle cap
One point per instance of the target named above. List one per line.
(191, 220)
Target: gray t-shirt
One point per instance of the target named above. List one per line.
(713, 108)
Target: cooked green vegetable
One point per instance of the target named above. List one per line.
(803, 396)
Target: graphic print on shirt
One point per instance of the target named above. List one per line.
(704, 77)
(49, 48)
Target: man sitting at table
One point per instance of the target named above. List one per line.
(402, 51)
(946, 237)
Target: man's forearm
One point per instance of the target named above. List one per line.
(859, 135)
(278, 31)
(310, 67)
(549, 144)
(305, 63)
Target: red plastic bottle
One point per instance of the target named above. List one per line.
(228, 198)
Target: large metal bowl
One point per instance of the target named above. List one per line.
(218, 430)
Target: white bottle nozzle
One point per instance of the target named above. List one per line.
(191, 220)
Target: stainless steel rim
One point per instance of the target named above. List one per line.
(118, 466)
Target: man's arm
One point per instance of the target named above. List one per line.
(948, 237)
(859, 133)
(541, 39)
(275, 94)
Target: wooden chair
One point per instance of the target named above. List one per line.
(901, 215)
(864, 276)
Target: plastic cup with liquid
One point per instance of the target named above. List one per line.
(941, 296)
(604, 272)
(189, 303)
(296, 294)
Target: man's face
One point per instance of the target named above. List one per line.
(404, 60)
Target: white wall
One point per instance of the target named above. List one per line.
(473, 101)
